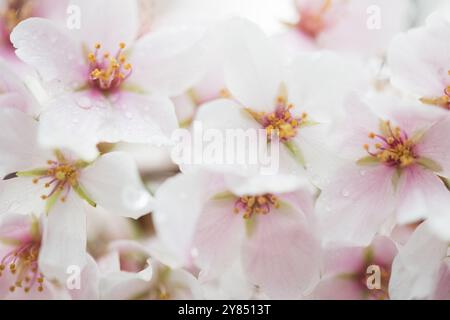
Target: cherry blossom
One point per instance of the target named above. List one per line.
(273, 235)
(110, 86)
(38, 181)
(394, 164)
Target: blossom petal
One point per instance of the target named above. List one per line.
(421, 194)
(356, 202)
(18, 145)
(169, 62)
(252, 66)
(179, 201)
(113, 182)
(137, 118)
(281, 253)
(64, 239)
(435, 145)
(21, 196)
(97, 27)
(51, 51)
(416, 268)
(218, 238)
(419, 61)
(77, 119)
(310, 76)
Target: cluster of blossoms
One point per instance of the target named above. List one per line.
(352, 95)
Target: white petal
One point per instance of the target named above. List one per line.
(170, 61)
(179, 202)
(416, 268)
(22, 196)
(50, 49)
(113, 182)
(18, 144)
(72, 122)
(64, 239)
(107, 22)
(252, 66)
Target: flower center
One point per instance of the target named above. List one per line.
(442, 101)
(15, 12)
(106, 71)
(312, 23)
(280, 122)
(23, 263)
(60, 178)
(380, 292)
(392, 147)
(251, 205)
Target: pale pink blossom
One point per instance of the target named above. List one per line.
(20, 274)
(419, 62)
(56, 184)
(361, 27)
(273, 236)
(107, 84)
(355, 273)
(394, 165)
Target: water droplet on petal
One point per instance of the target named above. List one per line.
(345, 193)
(84, 102)
(135, 198)
(194, 252)
(129, 115)
(362, 172)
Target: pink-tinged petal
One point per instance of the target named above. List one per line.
(179, 201)
(89, 284)
(22, 196)
(253, 72)
(113, 182)
(442, 291)
(384, 250)
(282, 254)
(356, 203)
(107, 22)
(218, 237)
(15, 227)
(353, 31)
(73, 122)
(319, 83)
(170, 61)
(415, 270)
(337, 288)
(137, 118)
(343, 260)
(18, 145)
(64, 239)
(421, 194)
(51, 51)
(13, 92)
(419, 59)
(350, 133)
(435, 145)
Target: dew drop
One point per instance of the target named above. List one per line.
(362, 172)
(84, 102)
(135, 198)
(345, 193)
